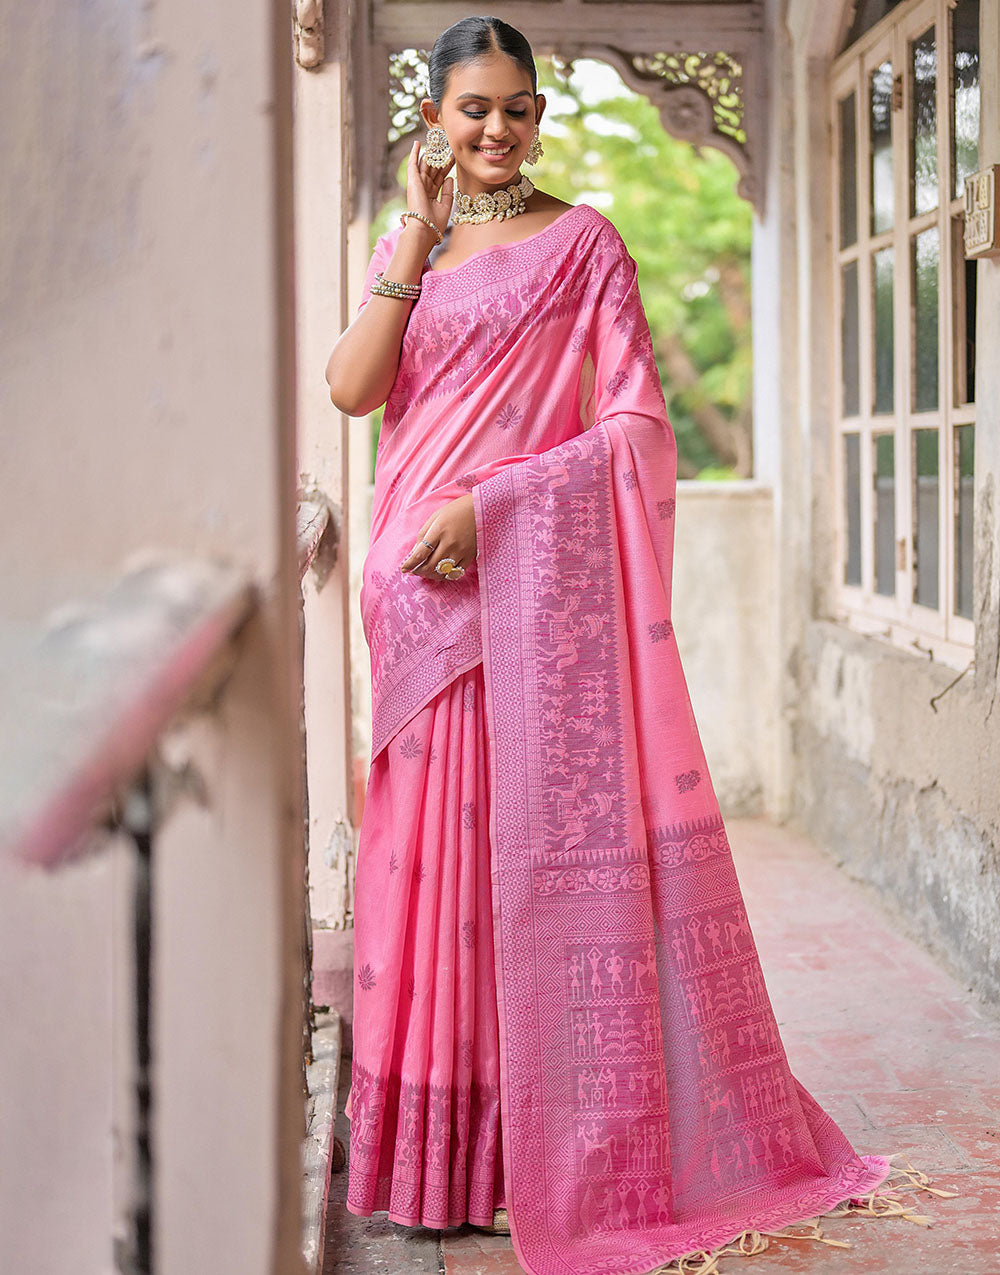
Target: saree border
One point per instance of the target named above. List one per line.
(787, 1195)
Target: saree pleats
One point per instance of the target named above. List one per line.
(425, 1105)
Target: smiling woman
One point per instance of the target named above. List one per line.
(559, 1006)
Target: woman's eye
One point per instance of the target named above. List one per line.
(478, 115)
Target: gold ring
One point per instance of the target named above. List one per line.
(446, 570)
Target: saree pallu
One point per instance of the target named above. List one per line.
(646, 1105)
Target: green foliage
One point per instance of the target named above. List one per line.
(717, 473)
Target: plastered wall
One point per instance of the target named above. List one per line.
(723, 614)
(148, 404)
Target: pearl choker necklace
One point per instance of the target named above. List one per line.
(492, 205)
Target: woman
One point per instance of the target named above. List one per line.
(559, 1006)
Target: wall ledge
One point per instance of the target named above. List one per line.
(941, 658)
(724, 489)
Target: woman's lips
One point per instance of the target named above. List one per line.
(495, 157)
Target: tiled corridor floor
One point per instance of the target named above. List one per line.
(894, 1048)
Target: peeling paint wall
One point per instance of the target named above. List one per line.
(904, 797)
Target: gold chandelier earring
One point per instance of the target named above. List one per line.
(534, 152)
(437, 152)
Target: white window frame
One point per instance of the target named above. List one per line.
(942, 633)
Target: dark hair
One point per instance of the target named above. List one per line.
(476, 37)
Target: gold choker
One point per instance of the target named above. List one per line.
(492, 205)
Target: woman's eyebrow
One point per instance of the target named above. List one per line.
(483, 98)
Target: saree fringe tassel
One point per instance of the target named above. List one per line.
(883, 1202)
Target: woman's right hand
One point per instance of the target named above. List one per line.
(423, 183)
(362, 367)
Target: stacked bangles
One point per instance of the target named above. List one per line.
(383, 287)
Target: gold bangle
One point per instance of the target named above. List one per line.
(420, 217)
(393, 283)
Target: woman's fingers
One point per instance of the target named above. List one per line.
(423, 561)
(419, 161)
(446, 189)
(424, 548)
(428, 566)
(417, 555)
(432, 177)
(417, 173)
(445, 535)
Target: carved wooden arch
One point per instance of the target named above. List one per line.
(701, 98)
(705, 98)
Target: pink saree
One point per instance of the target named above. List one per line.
(559, 1004)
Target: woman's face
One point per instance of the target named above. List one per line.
(489, 114)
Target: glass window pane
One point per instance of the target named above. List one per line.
(882, 304)
(850, 378)
(852, 511)
(965, 436)
(963, 309)
(848, 172)
(884, 478)
(923, 124)
(965, 90)
(969, 274)
(926, 252)
(925, 522)
(881, 147)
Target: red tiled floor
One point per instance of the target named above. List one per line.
(935, 1106)
(898, 1053)
(478, 1254)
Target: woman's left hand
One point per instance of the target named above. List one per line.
(452, 532)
